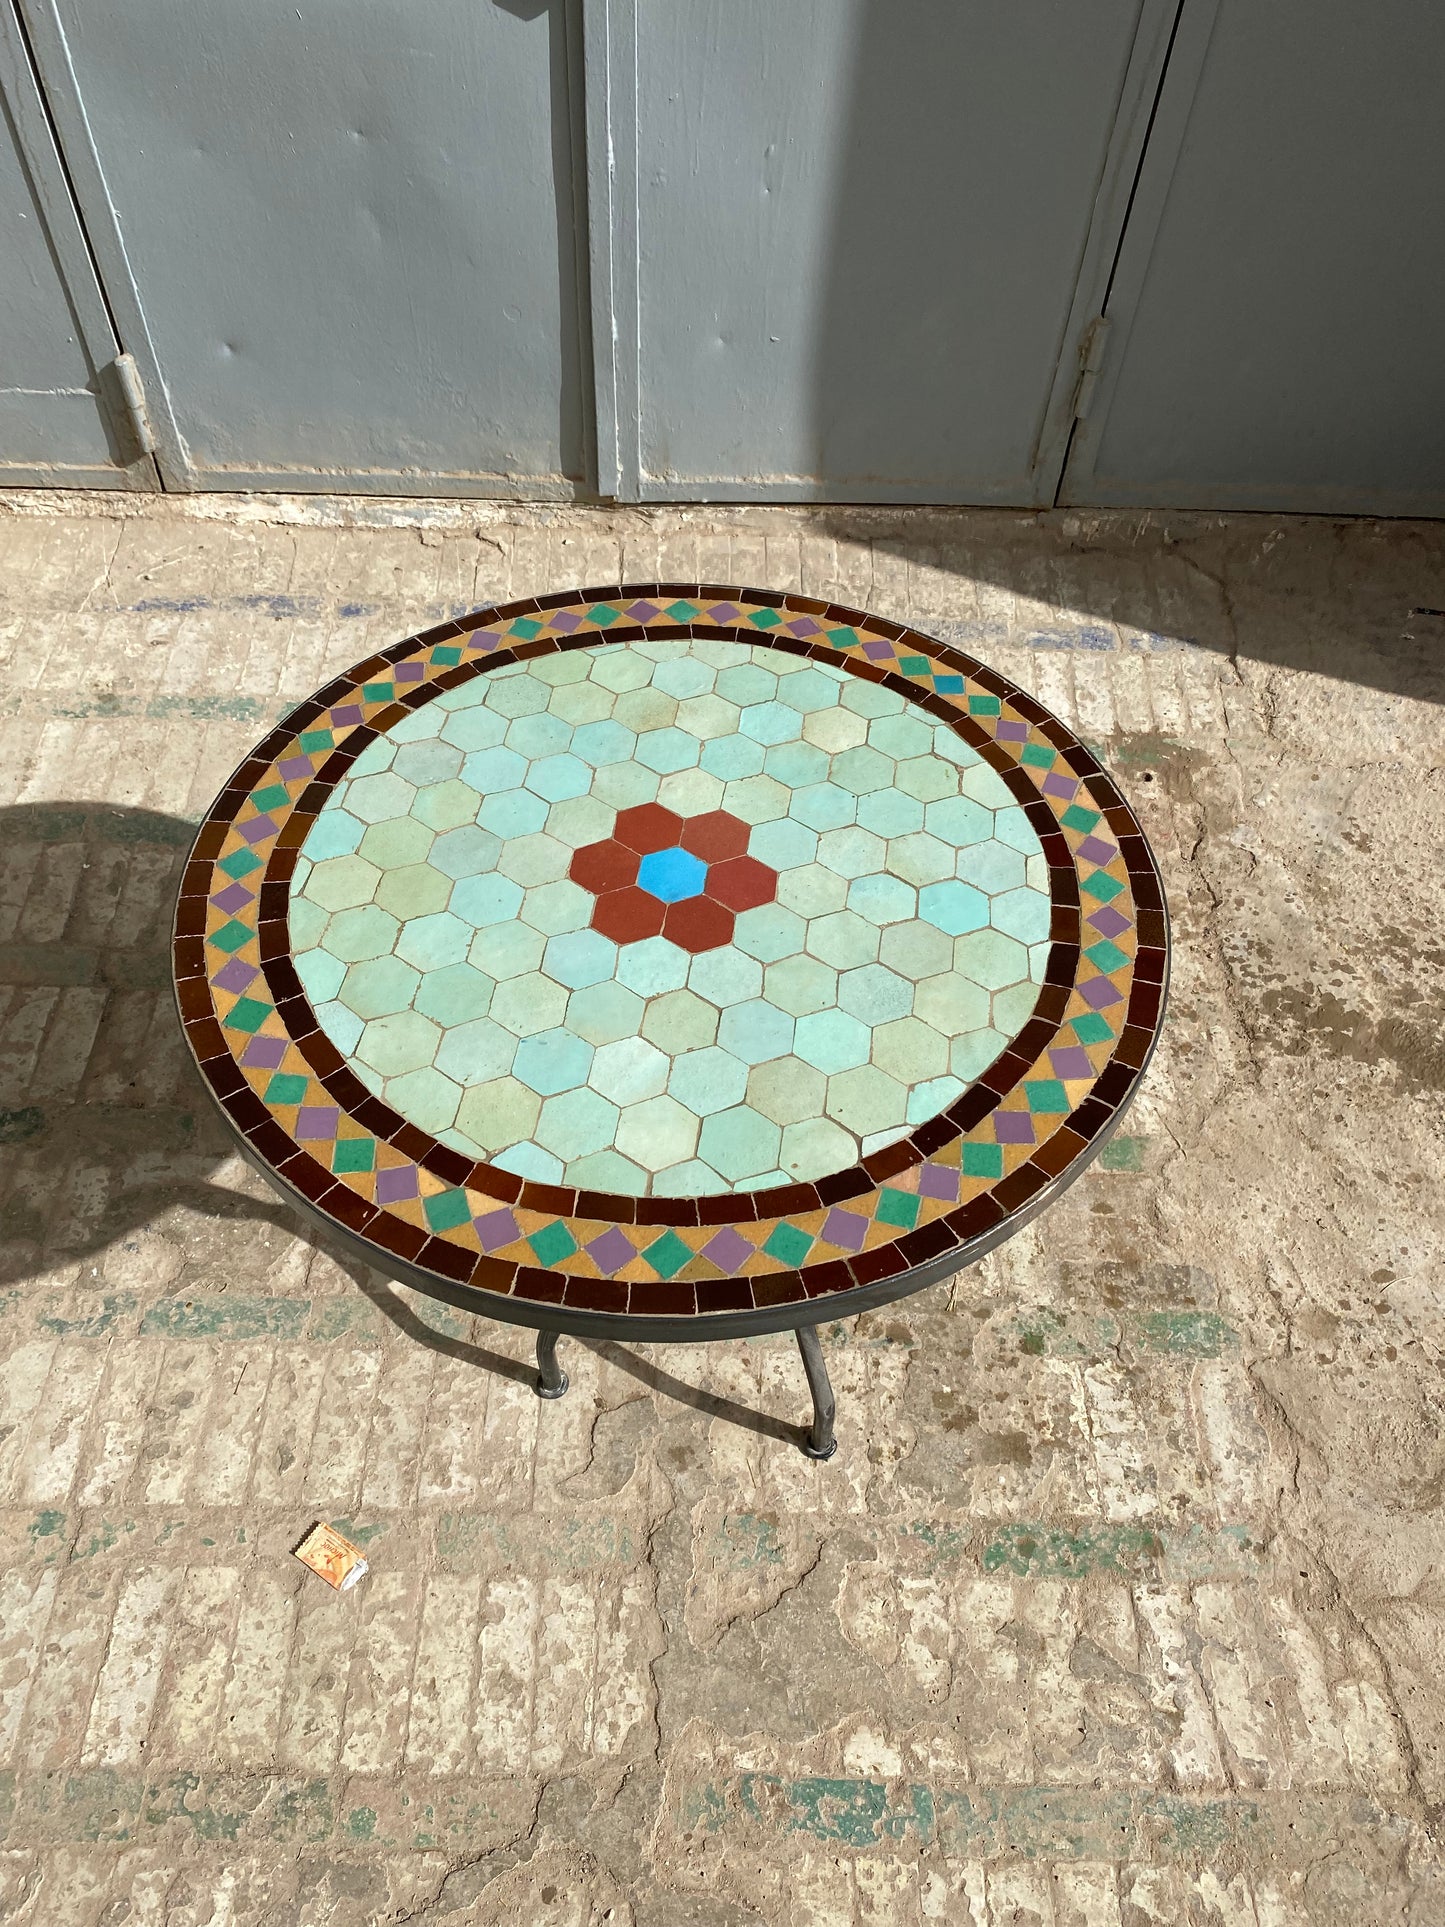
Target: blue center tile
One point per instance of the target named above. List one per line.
(672, 874)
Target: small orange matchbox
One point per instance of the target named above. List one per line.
(337, 1561)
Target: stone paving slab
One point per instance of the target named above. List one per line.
(1123, 1601)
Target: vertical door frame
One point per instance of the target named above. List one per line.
(51, 54)
(1178, 89)
(41, 158)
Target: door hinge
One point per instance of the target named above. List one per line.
(125, 395)
(1091, 360)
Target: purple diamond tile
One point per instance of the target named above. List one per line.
(396, 1183)
(316, 1120)
(939, 1181)
(1009, 731)
(565, 620)
(408, 672)
(292, 768)
(1095, 850)
(846, 1228)
(258, 829)
(235, 976)
(1071, 1060)
(1059, 785)
(264, 1053)
(1013, 1127)
(724, 612)
(1100, 993)
(642, 611)
(1109, 920)
(611, 1251)
(805, 626)
(497, 1228)
(727, 1249)
(347, 713)
(234, 897)
(877, 650)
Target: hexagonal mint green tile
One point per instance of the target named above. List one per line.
(557, 907)
(862, 769)
(808, 689)
(321, 974)
(431, 943)
(551, 1061)
(951, 1002)
(620, 669)
(506, 950)
(499, 1112)
(690, 1179)
(852, 852)
(374, 798)
(378, 755)
(691, 792)
(991, 866)
(580, 819)
(630, 1070)
(740, 1142)
(475, 727)
(680, 1020)
(800, 984)
(342, 882)
(576, 1123)
(355, 935)
(647, 711)
(959, 820)
(401, 839)
(875, 994)
(889, 813)
(490, 771)
(725, 976)
(683, 675)
(464, 852)
(1023, 914)
(843, 940)
(915, 950)
(835, 729)
(927, 778)
(756, 1031)
(746, 684)
(559, 778)
(986, 786)
(602, 1013)
(901, 737)
(607, 1170)
(653, 966)
(707, 1080)
(657, 1133)
(814, 1146)
(428, 762)
(910, 1051)
(529, 1160)
(732, 758)
(400, 1043)
(580, 957)
(882, 899)
(415, 890)
(534, 859)
(485, 900)
(425, 1098)
(824, 806)
(812, 891)
(379, 987)
(831, 1040)
(921, 859)
(866, 1100)
(456, 995)
(512, 813)
(336, 832)
(783, 844)
(529, 1004)
(786, 1090)
(581, 703)
(516, 692)
(708, 716)
(598, 744)
(954, 907)
(474, 1051)
(1013, 1006)
(926, 1100)
(969, 1056)
(991, 959)
(341, 1025)
(543, 734)
(756, 799)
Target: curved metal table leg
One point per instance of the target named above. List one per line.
(820, 1442)
(552, 1381)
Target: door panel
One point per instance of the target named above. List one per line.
(846, 237)
(349, 231)
(1279, 306)
(54, 332)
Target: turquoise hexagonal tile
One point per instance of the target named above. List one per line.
(607, 1171)
(882, 899)
(692, 1179)
(953, 906)
(602, 1013)
(809, 689)
(486, 899)
(512, 813)
(862, 769)
(341, 1025)
(475, 727)
(541, 735)
(551, 1061)
(425, 1098)
(756, 1031)
(831, 1040)
(926, 778)
(770, 723)
(732, 758)
(600, 743)
(825, 806)
(456, 995)
(991, 866)
(889, 813)
(336, 832)
(969, 1056)
(725, 976)
(653, 966)
(428, 762)
(489, 771)
(579, 958)
(342, 882)
(506, 950)
(683, 675)
(959, 820)
(575, 1123)
(874, 994)
(396, 1044)
(559, 778)
(747, 684)
(901, 736)
(657, 1133)
(378, 987)
(321, 974)
(630, 1070)
(707, 1080)
(784, 843)
(1023, 914)
(739, 1143)
(374, 798)
(431, 943)
(355, 935)
(465, 852)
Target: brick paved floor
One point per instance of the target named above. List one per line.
(1124, 1601)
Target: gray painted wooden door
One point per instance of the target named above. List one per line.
(848, 247)
(344, 233)
(1278, 312)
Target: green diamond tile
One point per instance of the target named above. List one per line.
(765, 618)
(248, 1014)
(914, 665)
(844, 639)
(354, 1154)
(1102, 886)
(667, 1255)
(275, 796)
(897, 1208)
(1076, 817)
(1091, 1028)
(984, 705)
(682, 611)
(983, 1160)
(448, 654)
(552, 1243)
(447, 1209)
(286, 1087)
(378, 692)
(1038, 755)
(240, 863)
(789, 1245)
(1045, 1094)
(1107, 956)
(312, 740)
(604, 614)
(230, 936)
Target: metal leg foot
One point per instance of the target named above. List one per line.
(820, 1442)
(552, 1381)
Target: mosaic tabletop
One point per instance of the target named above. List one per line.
(672, 952)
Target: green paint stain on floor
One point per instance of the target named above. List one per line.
(220, 1316)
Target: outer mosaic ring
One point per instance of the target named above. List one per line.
(547, 1255)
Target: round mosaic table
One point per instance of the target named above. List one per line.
(671, 962)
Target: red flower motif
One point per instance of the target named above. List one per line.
(628, 913)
